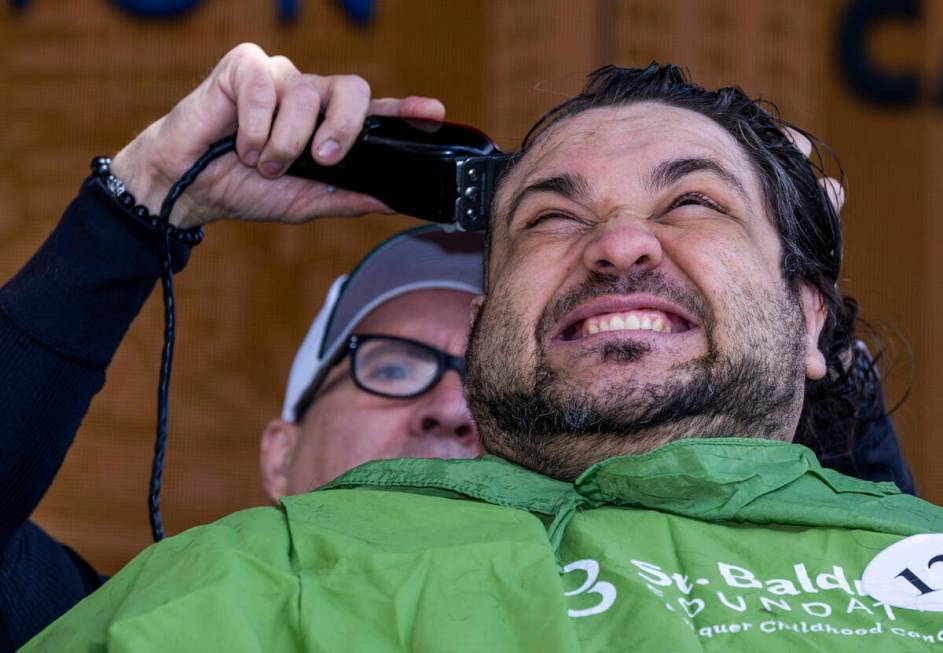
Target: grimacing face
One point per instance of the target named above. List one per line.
(635, 296)
(346, 426)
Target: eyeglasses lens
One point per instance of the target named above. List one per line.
(394, 368)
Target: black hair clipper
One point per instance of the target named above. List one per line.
(438, 171)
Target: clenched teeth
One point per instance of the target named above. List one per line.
(629, 321)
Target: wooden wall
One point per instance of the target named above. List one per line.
(79, 78)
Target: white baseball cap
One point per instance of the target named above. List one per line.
(423, 258)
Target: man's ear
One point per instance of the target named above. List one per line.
(814, 312)
(278, 447)
(474, 308)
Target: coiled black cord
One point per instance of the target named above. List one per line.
(216, 150)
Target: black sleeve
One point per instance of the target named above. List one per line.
(875, 454)
(878, 454)
(61, 319)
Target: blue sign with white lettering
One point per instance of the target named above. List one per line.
(359, 11)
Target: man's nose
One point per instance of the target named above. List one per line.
(622, 245)
(443, 412)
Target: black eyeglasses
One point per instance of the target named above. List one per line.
(398, 368)
(388, 366)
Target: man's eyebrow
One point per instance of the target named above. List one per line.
(572, 186)
(673, 170)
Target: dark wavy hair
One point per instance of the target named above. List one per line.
(808, 225)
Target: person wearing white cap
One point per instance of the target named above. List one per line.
(413, 554)
(63, 316)
(380, 372)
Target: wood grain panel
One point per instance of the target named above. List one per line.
(80, 78)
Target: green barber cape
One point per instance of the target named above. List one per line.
(702, 545)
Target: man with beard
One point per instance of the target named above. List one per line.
(661, 326)
(628, 352)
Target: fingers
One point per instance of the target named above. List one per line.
(277, 109)
(250, 80)
(348, 100)
(414, 106)
(832, 187)
(297, 116)
(834, 191)
(799, 139)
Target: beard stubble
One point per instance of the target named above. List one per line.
(529, 412)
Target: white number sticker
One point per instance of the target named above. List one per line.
(908, 574)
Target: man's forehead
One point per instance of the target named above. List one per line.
(431, 315)
(653, 130)
(434, 316)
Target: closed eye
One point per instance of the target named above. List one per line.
(552, 218)
(696, 199)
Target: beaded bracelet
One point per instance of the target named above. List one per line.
(101, 169)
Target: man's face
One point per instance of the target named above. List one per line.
(636, 296)
(347, 426)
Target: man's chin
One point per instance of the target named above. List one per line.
(601, 375)
(630, 346)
